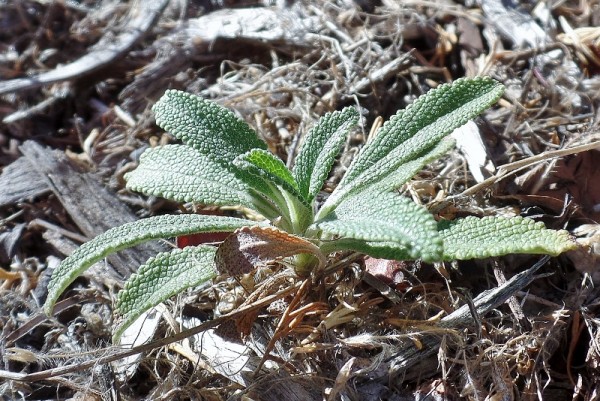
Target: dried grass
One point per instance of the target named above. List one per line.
(336, 335)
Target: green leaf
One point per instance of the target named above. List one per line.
(182, 174)
(477, 238)
(129, 235)
(382, 249)
(408, 170)
(319, 150)
(383, 217)
(263, 164)
(413, 131)
(160, 278)
(206, 126)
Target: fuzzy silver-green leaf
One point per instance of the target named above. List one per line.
(383, 217)
(128, 235)
(182, 174)
(413, 131)
(408, 170)
(376, 249)
(477, 238)
(263, 164)
(320, 147)
(206, 126)
(161, 277)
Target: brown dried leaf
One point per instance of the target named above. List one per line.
(249, 247)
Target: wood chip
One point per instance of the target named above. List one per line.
(20, 181)
(92, 207)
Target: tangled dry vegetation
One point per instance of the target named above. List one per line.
(78, 81)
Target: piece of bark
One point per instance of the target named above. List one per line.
(513, 23)
(9, 240)
(208, 38)
(470, 143)
(92, 207)
(267, 25)
(20, 181)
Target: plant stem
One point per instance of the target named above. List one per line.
(300, 215)
(263, 206)
(305, 263)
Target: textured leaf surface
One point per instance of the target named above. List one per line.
(415, 130)
(378, 218)
(475, 238)
(376, 249)
(263, 164)
(208, 127)
(249, 247)
(128, 235)
(160, 278)
(319, 150)
(408, 170)
(182, 174)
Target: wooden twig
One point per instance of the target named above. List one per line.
(509, 169)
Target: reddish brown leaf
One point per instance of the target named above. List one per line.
(200, 238)
(249, 247)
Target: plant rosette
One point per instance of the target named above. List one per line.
(221, 161)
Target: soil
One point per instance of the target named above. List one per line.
(78, 80)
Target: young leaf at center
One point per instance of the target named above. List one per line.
(264, 164)
(321, 145)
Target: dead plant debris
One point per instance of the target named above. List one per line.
(77, 82)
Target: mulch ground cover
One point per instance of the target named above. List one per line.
(77, 81)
